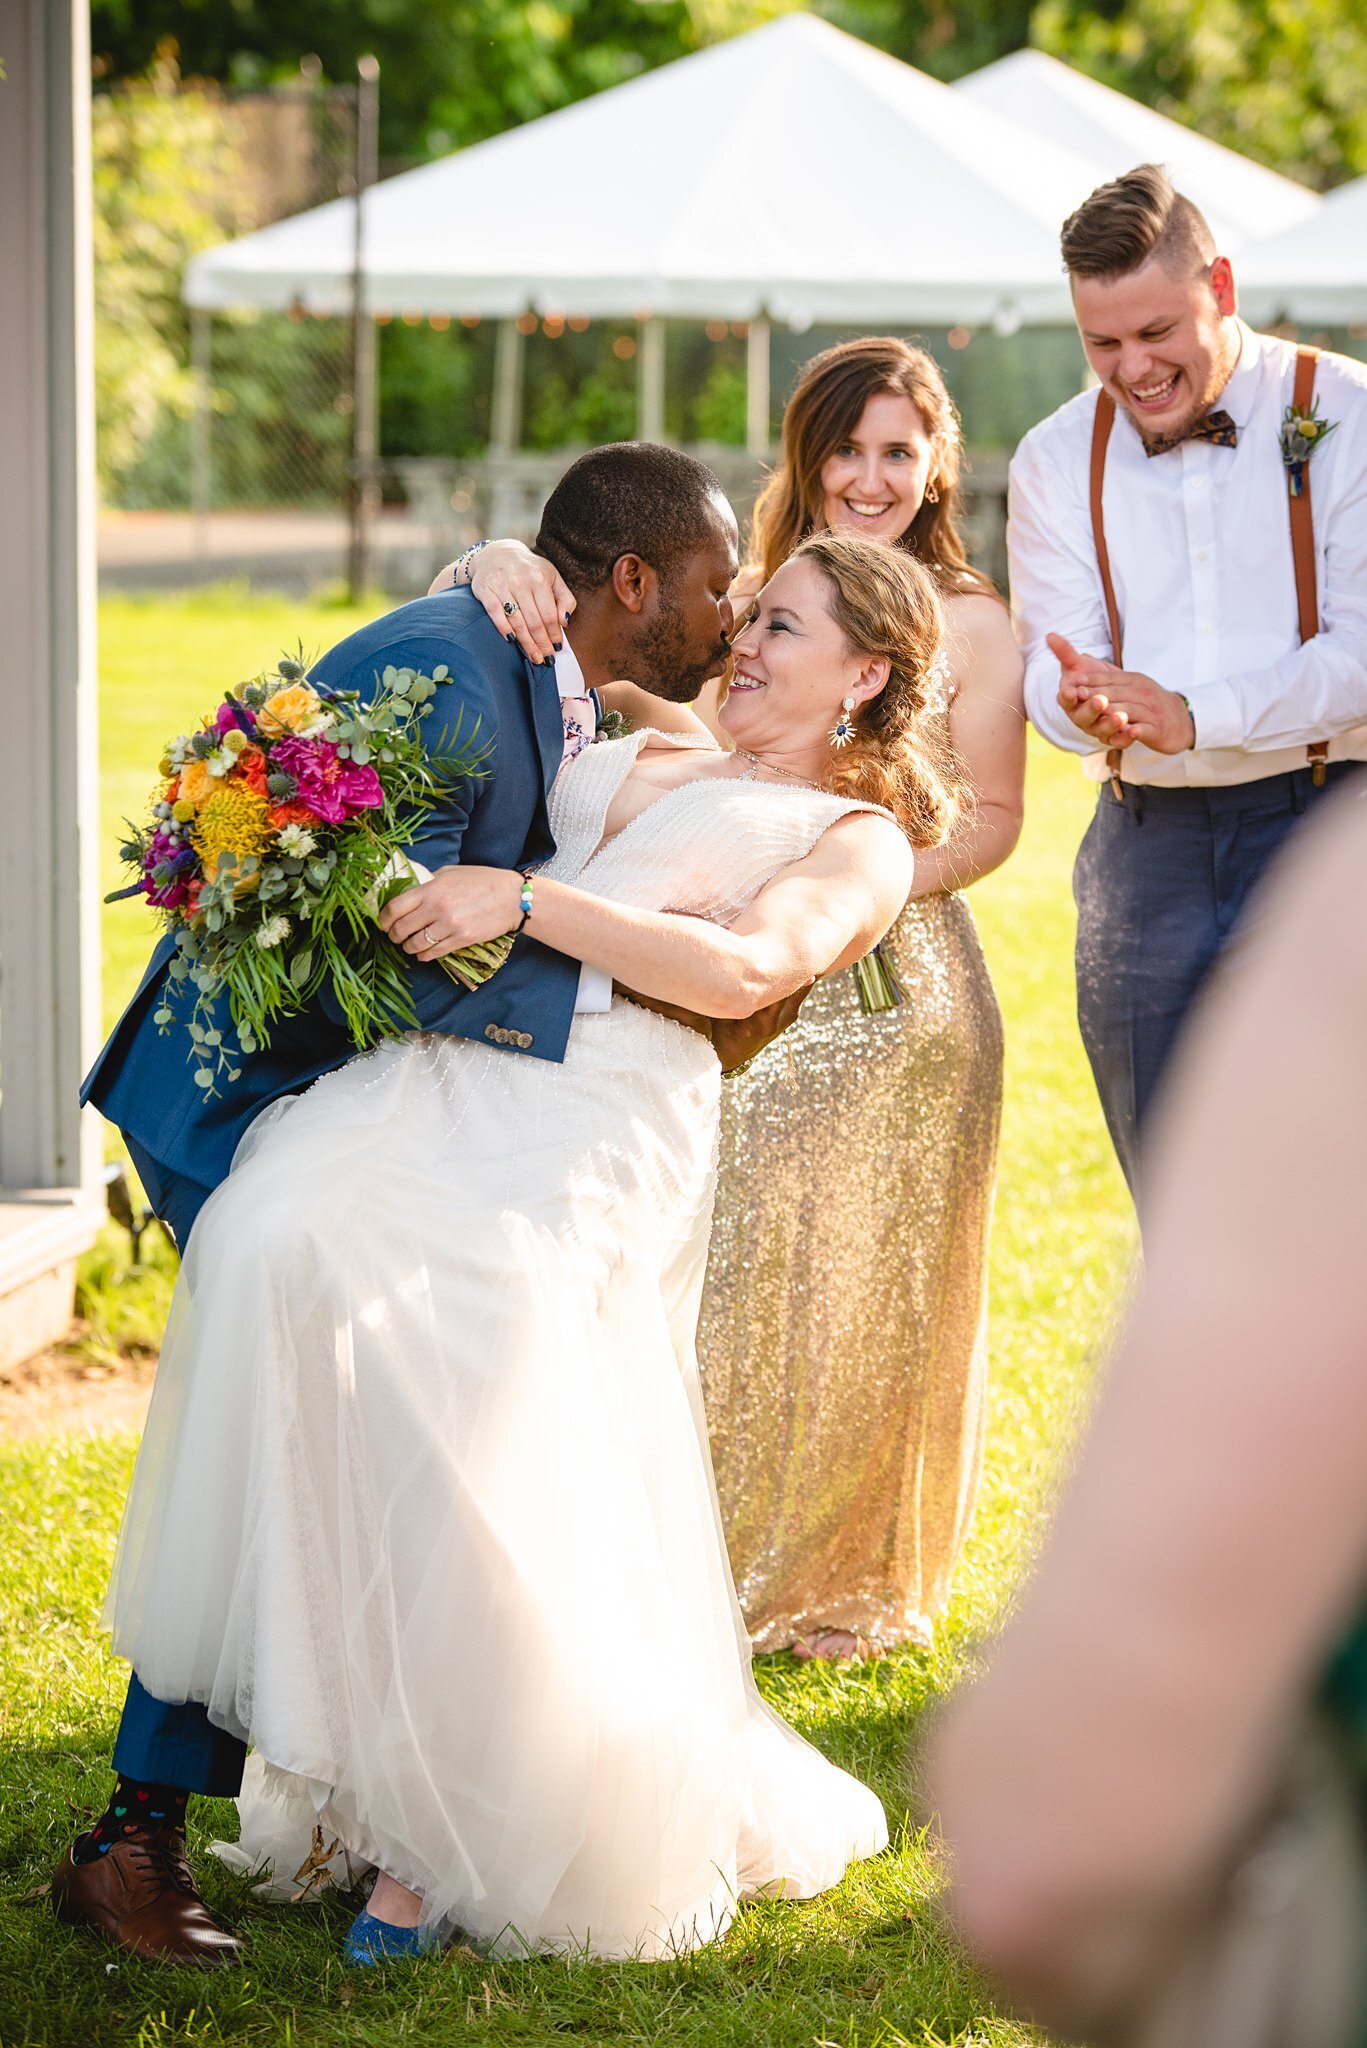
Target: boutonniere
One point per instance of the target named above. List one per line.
(1303, 430)
(611, 726)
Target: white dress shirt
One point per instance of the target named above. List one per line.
(1200, 549)
(595, 984)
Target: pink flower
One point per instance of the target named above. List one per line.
(333, 789)
(234, 718)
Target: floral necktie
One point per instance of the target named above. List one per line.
(580, 723)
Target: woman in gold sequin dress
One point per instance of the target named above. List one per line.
(843, 1337)
(843, 1340)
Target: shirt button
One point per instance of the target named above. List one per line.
(1203, 554)
(1198, 483)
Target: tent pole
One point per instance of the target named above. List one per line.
(363, 409)
(650, 380)
(757, 387)
(201, 362)
(506, 421)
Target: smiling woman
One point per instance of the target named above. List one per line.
(842, 1337)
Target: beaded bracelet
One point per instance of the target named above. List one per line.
(461, 566)
(524, 901)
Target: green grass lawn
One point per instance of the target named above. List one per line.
(865, 1967)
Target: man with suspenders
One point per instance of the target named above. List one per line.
(1188, 550)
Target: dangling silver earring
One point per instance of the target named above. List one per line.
(932, 495)
(842, 732)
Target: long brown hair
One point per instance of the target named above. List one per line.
(824, 410)
(885, 603)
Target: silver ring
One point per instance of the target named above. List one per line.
(510, 605)
(427, 935)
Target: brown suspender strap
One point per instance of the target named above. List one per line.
(1303, 540)
(1302, 544)
(1102, 422)
(1101, 434)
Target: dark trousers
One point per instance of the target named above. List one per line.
(160, 1741)
(1162, 882)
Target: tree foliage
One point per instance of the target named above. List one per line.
(1282, 81)
(164, 179)
(452, 71)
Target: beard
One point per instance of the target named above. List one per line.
(1172, 437)
(665, 661)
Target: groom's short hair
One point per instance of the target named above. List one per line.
(1134, 218)
(629, 498)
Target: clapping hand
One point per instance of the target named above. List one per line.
(1117, 706)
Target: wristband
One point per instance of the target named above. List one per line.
(1191, 715)
(462, 563)
(524, 901)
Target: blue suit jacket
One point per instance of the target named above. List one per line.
(143, 1080)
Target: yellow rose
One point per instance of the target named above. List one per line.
(197, 785)
(289, 710)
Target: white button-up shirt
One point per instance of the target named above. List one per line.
(595, 984)
(1200, 548)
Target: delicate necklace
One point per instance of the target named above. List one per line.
(775, 769)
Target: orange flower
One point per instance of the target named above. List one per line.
(293, 813)
(197, 785)
(291, 710)
(251, 765)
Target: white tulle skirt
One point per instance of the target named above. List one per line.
(425, 1512)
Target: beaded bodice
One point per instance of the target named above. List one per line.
(707, 847)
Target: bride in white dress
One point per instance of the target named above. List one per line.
(424, 1509)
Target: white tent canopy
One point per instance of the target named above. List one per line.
(1242, 200)
(1317, 272)
(793, 172)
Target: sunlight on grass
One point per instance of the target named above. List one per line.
(865, 1967)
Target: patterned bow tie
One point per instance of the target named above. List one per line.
(1216, 427)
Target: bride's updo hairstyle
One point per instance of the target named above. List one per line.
(886, 604)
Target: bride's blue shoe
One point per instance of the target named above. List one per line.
(378, 1941)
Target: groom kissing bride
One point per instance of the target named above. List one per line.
(428, 1392)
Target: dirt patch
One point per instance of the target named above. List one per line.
(61, 1393)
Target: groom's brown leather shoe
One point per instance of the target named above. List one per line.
(140, 1894)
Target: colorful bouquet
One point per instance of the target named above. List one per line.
(275, 839)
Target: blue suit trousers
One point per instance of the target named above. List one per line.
(1162, 883)
(159, 1741)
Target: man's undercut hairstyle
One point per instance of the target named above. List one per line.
(630, 498)
(1131, 220)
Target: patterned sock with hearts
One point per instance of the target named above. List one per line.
(134, 1809)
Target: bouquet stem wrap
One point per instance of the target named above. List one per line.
(472, 965)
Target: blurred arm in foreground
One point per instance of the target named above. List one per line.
(1211, 1549)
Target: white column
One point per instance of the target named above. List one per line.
(650, 380)
(506, 419)
(757, 387)
(49, 817)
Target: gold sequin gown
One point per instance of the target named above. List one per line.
(843, 1333)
